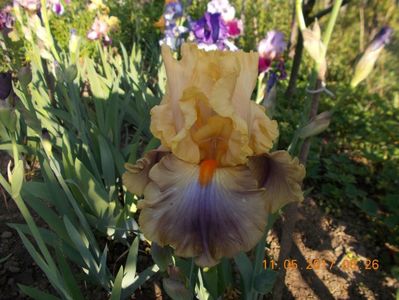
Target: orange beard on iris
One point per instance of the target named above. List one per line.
(212, 136)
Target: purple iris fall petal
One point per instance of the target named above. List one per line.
(5, 85)
(281, 69)
(215, 25)
(273, 78)
(207, 222)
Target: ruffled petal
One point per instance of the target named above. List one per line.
(263, 131)
(281, 176)
(204, 87)
(206, 222)
(136, 176)
(163, 123)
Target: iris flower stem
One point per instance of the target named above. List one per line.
(313, 81)
(260, 94)
(260, 254)
(310, 111)
(300, 17)
(312, 102)
(331, 22)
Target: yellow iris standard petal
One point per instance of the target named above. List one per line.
(206, 86)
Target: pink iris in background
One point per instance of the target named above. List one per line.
(102, 27)
(6, 18)
(270, 49)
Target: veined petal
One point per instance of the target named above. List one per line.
(207, 222)
(281, 176)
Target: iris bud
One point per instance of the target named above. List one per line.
(367, 61)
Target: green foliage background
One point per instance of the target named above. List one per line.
(354, 165)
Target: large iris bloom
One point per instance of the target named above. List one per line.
(211, 185)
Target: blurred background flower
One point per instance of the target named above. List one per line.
(56, 7)
(170, 22)
(210, 32)
(270, 49)
(6, 18)
(102, 27)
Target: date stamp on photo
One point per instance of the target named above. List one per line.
(346, 264)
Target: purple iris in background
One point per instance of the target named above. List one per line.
(270, 49)
(5, 85)
(173, 35)
(382, 38)
(57, 7)
(210, 30)
(173, 32)
(172, 11)
(6, 18)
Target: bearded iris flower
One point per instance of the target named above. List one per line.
(210, 187)
(270, 49)
(210, 31)
(173, 35)
(102, 27)
(57, 7)
(169, 22)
